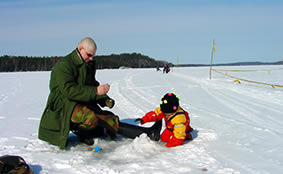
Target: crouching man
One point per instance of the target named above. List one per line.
(74, 98)
(75, 101)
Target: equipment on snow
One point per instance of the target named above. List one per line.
(94, 149)
(132, 131)
(14, 164)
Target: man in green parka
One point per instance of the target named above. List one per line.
(75, 101)
(73, 87)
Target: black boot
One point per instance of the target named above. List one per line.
(87, 140)
(83, 133)
(132, 131)
(98, 131)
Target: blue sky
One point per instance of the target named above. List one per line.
(244, 30)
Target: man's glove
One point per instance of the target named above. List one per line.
(110, 103)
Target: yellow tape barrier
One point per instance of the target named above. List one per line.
(250, 81)
(255, 70)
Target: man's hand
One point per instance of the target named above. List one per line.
(102, 89)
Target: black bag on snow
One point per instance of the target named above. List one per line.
(14, 165)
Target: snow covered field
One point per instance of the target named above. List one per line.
(240, 125)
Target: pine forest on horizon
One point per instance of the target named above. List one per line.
(25, 63)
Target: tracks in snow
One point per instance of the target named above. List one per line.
(129, 96)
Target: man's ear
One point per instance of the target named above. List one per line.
(80, 47)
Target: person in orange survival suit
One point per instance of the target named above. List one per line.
(177, 121)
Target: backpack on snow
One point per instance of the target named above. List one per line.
(14, 165)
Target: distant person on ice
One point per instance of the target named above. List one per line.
(177, 121)
(75, 101)
(166, 69)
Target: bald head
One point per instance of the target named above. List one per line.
(87, 49)
(88, 43)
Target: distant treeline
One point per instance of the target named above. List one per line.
(134, 60)
(23, 63)
(233, 64)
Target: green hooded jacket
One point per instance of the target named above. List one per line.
(72, 81)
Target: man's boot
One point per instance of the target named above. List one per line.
(83, 133)
(132, 131)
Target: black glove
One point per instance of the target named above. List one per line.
(139, 120)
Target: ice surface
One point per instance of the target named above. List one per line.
(240, 125)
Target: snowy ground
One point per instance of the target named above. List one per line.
(240, 125)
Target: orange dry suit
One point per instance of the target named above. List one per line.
(177, 125)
